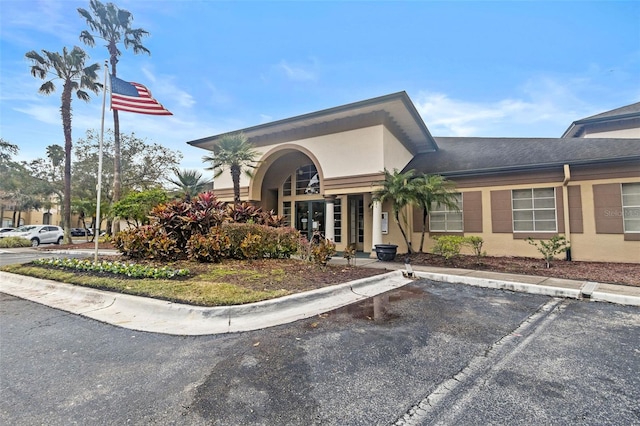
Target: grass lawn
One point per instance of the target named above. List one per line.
(232, 282)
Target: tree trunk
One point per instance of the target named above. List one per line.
(235, 177)
(424, 228)
(117, 167)
(66, 126)
(404, 235)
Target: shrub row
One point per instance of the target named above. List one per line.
(449, 246)
(13, 242)
(208, 230)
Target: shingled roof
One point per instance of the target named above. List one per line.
(623, 117)
(460, 156)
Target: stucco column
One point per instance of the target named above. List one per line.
(329, 220)
(376, 227)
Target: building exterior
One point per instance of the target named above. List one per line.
(319, 170)
(11, 217)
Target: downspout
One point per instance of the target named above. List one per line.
(565, 208)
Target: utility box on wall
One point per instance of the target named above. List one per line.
(385, 222)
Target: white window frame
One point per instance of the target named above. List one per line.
(535, 210)
(445, 212)
(630, 207)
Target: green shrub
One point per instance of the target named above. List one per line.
(476, 246)
(182, 228)
(147, 242)
(322, 251)
(13, 242)
(212, 247)
(280, 243)
(303, 248)
(182, 219)
(448, 246)
(273, 242)
(252, 246)
(549, 249)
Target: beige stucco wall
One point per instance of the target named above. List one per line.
(621, 134)
(396, 156)
(365, 151)
(586, 246)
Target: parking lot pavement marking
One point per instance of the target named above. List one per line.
(447, 395)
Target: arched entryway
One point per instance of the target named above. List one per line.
(289, 181)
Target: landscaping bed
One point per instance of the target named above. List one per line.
(604, 272)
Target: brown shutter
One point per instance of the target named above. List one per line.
(472, 211)
(501, 218)
(607, 206)
(560, 209)
(417, 220)
(575, 209)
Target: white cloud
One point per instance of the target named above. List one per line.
(541, 107)
(43, 113)
(298, 72)
(264, 118)
(165, 89)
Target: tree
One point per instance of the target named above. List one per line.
(136, 206)
(401, 190)
(236, 153)
(189, 183)
(50, 172)
(20, 190)
(433, 190)
(146, 166)
(70, 68)
(7, 151)
(113, 25)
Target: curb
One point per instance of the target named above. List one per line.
(591, 294)
(152, 315)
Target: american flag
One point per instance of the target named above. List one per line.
(134, 97)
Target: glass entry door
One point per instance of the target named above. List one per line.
(310, 217)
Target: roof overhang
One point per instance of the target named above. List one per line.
(623, 121)
(394, 111)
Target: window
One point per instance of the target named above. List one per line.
(307, 181)
(631, 207)
(286, 187)
(534, 210)
(286, 212)
(446, 219)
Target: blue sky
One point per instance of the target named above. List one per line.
(472, 68)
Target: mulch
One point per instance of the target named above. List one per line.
(310, 276)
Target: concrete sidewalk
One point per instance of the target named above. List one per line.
(556, 287)
(152, 315)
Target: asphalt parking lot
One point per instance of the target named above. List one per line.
(429, 353)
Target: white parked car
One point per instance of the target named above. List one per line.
(37, 234)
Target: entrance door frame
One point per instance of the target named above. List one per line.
(309, 209)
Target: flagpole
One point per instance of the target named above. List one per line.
(96, 235)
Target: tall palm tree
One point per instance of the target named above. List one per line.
(189, 183)
(235, 152)
(401, 190)
(433, 190)
(70, 68)
(113, 25)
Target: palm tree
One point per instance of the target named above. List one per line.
(433, 190)
(113, 25)
(70, 68)
(235, 152)
(401, 190)
(189, 183)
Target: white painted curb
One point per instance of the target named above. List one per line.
(152, 315)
